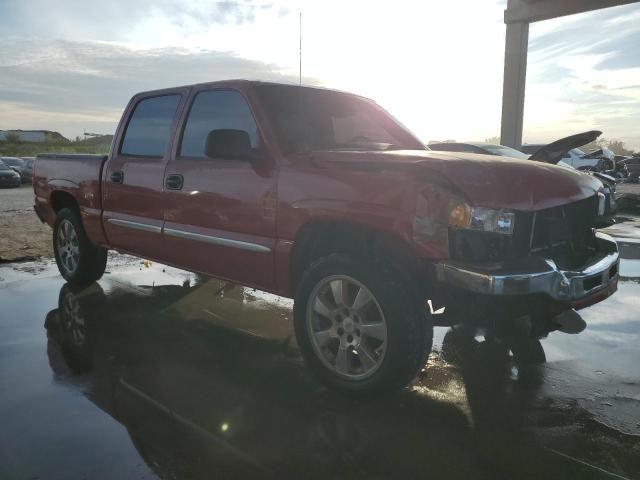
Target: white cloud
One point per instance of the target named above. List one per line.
(578, 69)
(68, 86)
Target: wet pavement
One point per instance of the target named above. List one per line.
(157, 372)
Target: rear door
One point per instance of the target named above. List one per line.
(133, 177)
(220, 212)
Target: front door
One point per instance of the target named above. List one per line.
(133, 176)
(220, 212)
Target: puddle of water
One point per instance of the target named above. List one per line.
(630, 268)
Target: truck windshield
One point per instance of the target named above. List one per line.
(307, 119)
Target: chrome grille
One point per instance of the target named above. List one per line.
(564, 232)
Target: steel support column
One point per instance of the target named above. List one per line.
(515, 73)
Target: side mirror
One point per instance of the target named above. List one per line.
(228, 143)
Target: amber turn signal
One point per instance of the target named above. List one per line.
(460, 216)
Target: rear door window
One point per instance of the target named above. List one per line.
(149, 127)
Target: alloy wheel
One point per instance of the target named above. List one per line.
(68, 247)
(347, 327)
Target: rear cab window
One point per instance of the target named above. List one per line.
(149, 128)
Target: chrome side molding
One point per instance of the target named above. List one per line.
(225, 242)
(198, 237)
(145, 227)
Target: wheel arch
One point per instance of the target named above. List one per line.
(91, 218)
(324, 237)
(62, 199)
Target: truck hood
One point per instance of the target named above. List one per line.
(484, 180)
(555, 151)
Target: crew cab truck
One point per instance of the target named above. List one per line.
(324, 197)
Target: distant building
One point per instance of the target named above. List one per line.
(32, 136)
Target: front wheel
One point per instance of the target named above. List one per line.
(79, 261)
(359, 327)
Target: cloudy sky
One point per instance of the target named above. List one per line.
(70, 65)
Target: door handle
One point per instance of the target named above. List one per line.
(174, 182)
(117, 177)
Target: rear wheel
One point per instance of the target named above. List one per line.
(359, 327)
(79, 261)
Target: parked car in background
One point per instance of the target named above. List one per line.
(323, 197)
(561, 152)
(610, 207)
(632, 167)
(555, 152)
(8, 176)
(478, 147)
(566, 153)
(17, 164)
(28, 167)
(606, 163)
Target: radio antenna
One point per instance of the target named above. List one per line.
(300, 49)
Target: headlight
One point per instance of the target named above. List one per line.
(482, 219)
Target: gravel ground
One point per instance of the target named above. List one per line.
(22, 235)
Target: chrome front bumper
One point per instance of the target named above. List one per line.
(536, 275)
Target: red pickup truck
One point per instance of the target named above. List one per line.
(324, 197)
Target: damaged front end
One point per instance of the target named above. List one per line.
(552, 253)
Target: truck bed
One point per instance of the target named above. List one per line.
(54, 167)
(78, 176)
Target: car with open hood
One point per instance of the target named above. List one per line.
(566, 151)
(598, 164)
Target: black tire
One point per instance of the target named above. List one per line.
(74, 323)
(91, 260)
(527, 351)
(409, 331)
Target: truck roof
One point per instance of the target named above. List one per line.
(239, 83)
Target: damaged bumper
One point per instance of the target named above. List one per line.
(536, 275)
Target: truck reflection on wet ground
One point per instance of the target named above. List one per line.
(246, 399)
(158, 372)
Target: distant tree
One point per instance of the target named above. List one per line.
(494, 140)
(617, 147)
(77, 139)
(13, 137)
